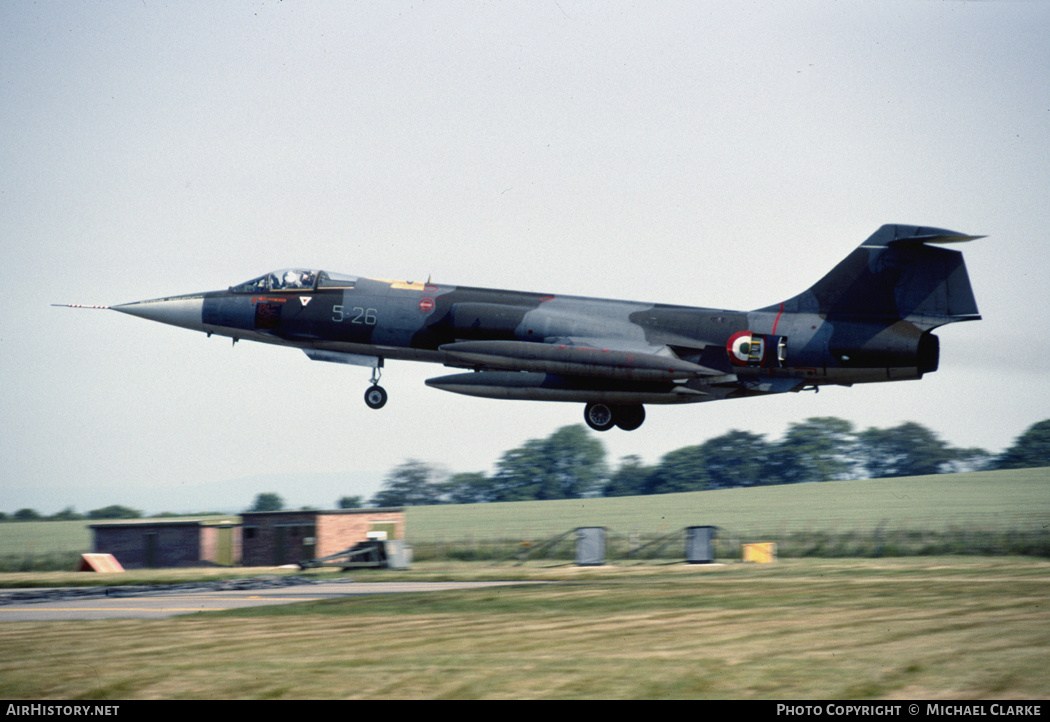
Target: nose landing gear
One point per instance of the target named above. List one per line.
(376, 396)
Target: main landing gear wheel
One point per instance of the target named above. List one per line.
(602, 417)
(375, 397)
(629, 418)
(598, 416)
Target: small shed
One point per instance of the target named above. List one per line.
(145, 543)
(272, 538)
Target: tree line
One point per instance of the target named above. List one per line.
(114, 511)
(571, 463)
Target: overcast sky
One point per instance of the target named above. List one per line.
(715, 154)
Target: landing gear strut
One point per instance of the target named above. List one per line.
(375, 396)
(602, 417)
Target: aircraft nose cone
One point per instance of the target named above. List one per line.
(184, 311)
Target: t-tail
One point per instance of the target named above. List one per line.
(872, 314)
(894, 276)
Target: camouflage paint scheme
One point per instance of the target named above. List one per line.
(869, 319)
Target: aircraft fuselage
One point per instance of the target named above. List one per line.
(869, 319)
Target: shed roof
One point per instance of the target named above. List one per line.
(169, 521)
(325, 512)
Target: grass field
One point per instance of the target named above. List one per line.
(920, 627)
(44, 537)
(951, 627)
(994, 500)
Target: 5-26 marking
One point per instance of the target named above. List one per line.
(357, 314)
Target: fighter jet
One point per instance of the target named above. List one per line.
(870, 319)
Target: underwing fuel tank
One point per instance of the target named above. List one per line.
(537, 386)
(572, 360)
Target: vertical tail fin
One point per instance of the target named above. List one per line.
(895, 275)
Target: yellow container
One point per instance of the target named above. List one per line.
(763, 553)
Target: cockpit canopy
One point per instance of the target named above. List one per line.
(295, 279)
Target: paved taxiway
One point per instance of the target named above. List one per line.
(157, 605)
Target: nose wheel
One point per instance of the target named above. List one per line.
(375, 396)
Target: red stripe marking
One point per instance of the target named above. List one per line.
(777, 319)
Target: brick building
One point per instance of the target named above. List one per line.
(266, 538)
(145, 543)
(272, 538)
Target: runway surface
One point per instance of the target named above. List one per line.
(157, 604)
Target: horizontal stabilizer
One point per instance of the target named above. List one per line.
(900, 234)
(944, 238)
(571, 360)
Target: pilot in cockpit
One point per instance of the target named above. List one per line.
(296, 278)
